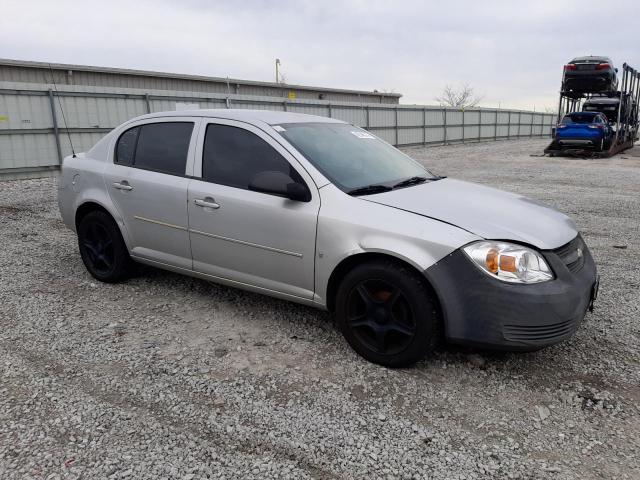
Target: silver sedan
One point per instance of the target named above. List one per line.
(318, 211)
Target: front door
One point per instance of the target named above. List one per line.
(245, 236)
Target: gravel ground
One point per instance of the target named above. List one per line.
(166, 376)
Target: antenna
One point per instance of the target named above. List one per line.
(55, 87)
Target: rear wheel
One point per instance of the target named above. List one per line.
(102, 248)
(387, 313)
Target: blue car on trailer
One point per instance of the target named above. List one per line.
(584, 130)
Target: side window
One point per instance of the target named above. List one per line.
(163, 147)
(232, 156)
(127, 146)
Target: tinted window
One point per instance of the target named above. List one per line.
(233, 156)
(578, 118)
(163, 147)
(127, 146)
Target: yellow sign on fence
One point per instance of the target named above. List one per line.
(292, 95)
(4, 118)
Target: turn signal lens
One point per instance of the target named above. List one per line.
(509, 262)
(492, 260)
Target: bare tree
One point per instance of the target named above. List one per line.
(459, 98)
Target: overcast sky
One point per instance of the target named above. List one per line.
(511, 52)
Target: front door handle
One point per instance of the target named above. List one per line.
(124, 185)
(207, 203)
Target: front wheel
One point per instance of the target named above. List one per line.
(387, 313)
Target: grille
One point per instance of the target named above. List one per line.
(535, 333)
(572, 254)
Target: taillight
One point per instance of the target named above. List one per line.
(561, 126)
(570, 66)
(597, 126)
(603, 66)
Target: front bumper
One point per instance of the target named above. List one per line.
(483, 311)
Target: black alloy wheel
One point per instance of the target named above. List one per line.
(388, 313)
(98, 246)
(102, 248)
(380, 317)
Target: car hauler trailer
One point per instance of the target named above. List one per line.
(620, 107)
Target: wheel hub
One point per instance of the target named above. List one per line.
(380, 315)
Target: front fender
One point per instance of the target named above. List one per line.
(351, 226)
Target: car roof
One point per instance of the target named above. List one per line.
(591, 58)
(269, 117)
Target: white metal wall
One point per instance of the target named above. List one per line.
(30, 114)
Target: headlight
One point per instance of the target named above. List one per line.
(509, 262)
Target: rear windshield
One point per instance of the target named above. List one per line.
(590, 60)
(578, 118)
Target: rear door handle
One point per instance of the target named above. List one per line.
(207, 203)
(124, 185)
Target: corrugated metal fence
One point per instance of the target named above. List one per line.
(35, 119)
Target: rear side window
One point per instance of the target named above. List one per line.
(232, 156)
(127, 146)
(161, 147)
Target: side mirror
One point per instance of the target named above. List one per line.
(280, 184)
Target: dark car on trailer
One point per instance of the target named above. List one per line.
(606, 105)
(590, 74)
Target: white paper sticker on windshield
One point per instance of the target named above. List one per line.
(278, 128)
(362, 134)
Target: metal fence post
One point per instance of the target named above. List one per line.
(284, 105)
(396, 122)
(531, 129)
(509, 126)
(519, 122)
(330, 112)
(56, 133)
(424, 126)
(147, 102)
(495, 127)
(479, 125)
(367, 117)
(444, 124)
(463, 125)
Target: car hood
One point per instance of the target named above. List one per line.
(484, 211)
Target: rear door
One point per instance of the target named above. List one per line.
(249, 237)
(148, 182)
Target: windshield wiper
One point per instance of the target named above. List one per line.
(369, 190)
(410, 181)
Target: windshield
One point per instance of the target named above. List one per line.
(351, 157)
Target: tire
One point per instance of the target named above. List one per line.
(102, 248)
(387, 313)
